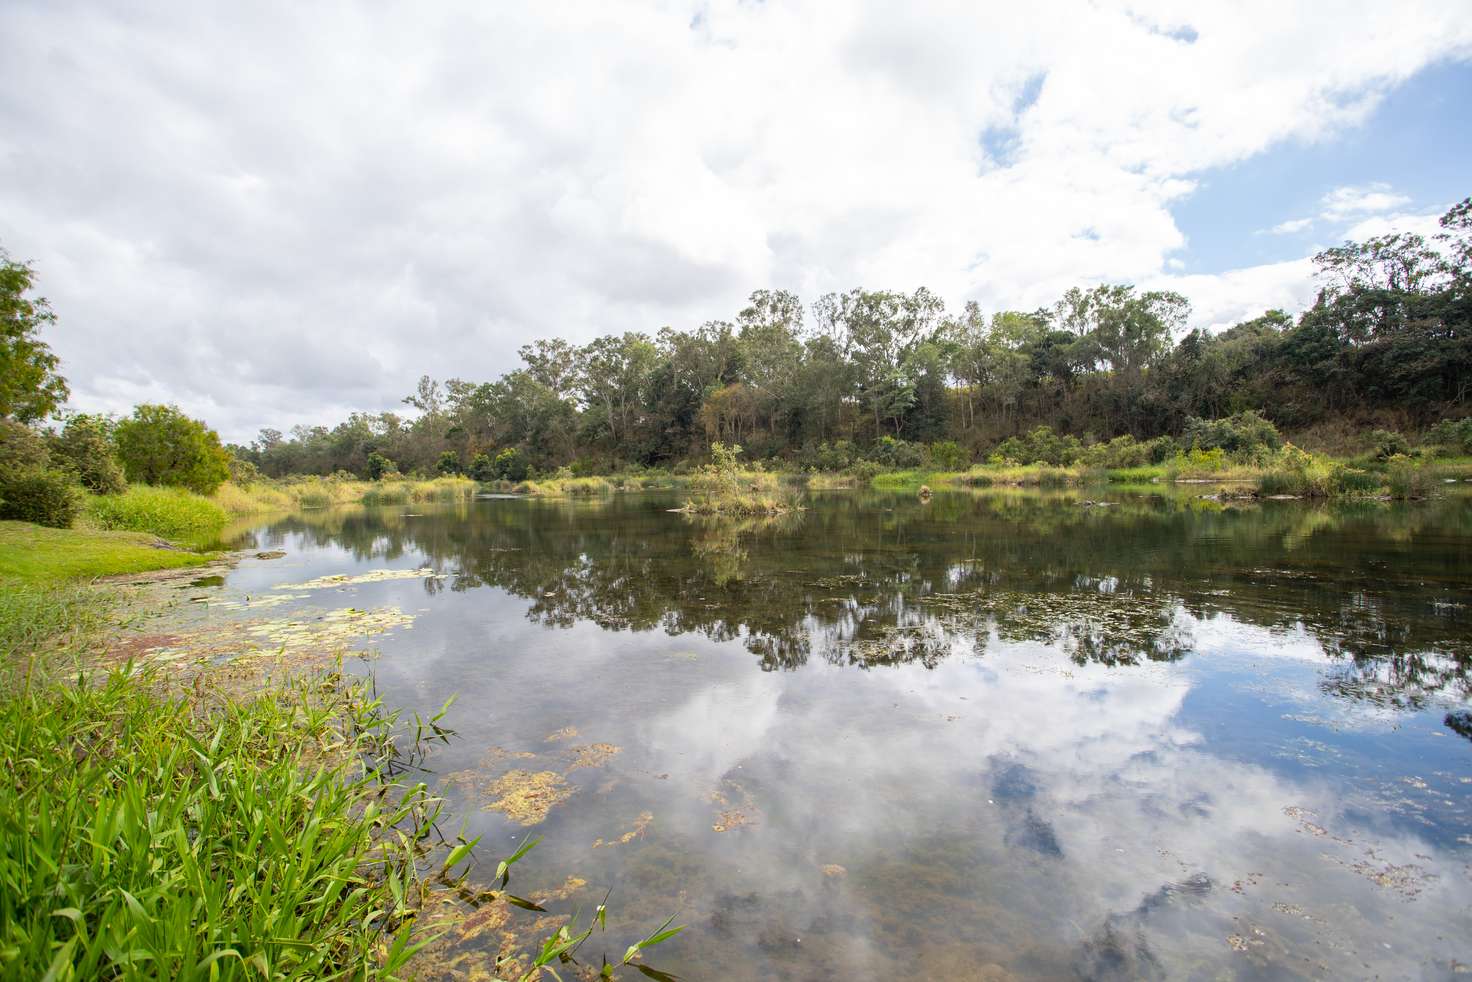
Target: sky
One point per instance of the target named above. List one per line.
(278, 213)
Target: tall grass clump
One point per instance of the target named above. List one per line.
(723, 488)
(558, 487)
(1407, 479)
(447, 488)
(143, 835)
(253, 498)
(172, 513)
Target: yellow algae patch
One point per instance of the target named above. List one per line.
(566, 733)
(640, 824)
(527, 796)
(734, 814)
(592, 755)
(373, 576)
(569, 887)
(335, 628)
(833, 870)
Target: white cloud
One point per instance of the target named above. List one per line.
(1292, 226)
(1349, 202)
(291, 210)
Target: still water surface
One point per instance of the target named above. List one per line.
(996, 736)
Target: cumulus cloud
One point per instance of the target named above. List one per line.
(274, 213)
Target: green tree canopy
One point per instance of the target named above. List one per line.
(161, 445)
(30, 388)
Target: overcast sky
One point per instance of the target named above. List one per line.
(272, 214)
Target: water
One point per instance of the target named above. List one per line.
(995, 736)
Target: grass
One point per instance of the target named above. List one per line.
(172, 513)
(1022, 475)
(142, 834)
(718, 490)
(34, 555)
(45, 617)
(406, 491)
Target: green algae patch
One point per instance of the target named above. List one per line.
(32, 554)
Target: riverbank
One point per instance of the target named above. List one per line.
(141, 719)
(112, 767)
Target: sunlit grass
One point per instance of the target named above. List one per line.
(36, 555)
(172, 513)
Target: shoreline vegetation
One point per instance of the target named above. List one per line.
(295, 848)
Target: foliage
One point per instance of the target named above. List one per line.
(510, 465)
(897, 454)
(482, 468)
(281, 861)
(84, 446)
(21, 448)
(161, 445)
(1236, 435)
(380, 466)
(30, 388)
(171, 513)
(948, 455)
(449, 464)
(1388, 443)
(1040, 446)
(41, 495)
(1454, 436)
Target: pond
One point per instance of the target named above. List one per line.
(987, 736)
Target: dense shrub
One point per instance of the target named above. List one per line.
(1453, 436)
(41, 495)
(511, 465)
(379, 466)
(826, 456)
(897, 454)
(84, 447)
(1388, 443)
(948, 455)
(449, 464)
(1238, 434)
(173, 513)
(159, 445)
(1040, 446)
(481, 468)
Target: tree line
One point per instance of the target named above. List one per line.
(1388, 339)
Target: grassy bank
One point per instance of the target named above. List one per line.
(185, 832)
(36, 556)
